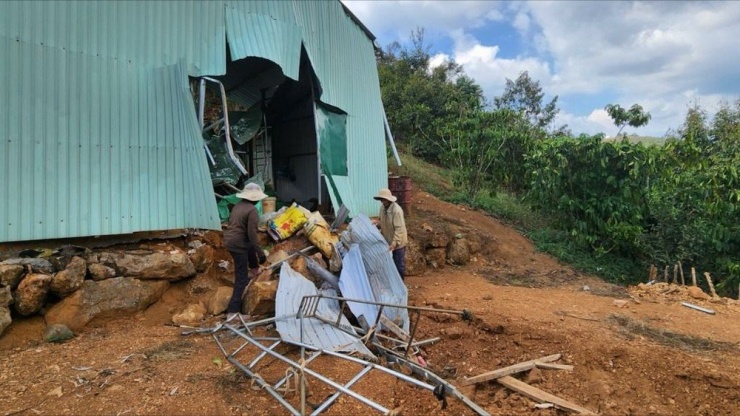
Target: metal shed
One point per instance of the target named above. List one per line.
(98, 128)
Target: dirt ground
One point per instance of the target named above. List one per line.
(644, 355)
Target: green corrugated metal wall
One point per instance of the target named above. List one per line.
(97, 129)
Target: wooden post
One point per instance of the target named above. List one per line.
(680, 269)
(665, 274)
(675, 273)
(711, 285)
(693, 276)
(653, 274)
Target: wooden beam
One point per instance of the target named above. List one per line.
(551, 366)
(516, 368)
(541, 396)
(391, 326)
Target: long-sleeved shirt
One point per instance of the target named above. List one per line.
(393, 225)
(242, 229)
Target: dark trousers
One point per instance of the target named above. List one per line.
(399, 258)
(243, 262)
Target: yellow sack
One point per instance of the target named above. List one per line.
(286, 224)
(319, 235)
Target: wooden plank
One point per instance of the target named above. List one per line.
(391, 326)
(541, 396)
(516, 368)
(551, 366)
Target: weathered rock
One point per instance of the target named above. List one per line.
(436, 257)
(6, 297)
(474, 243)
(454, 332)
(276, 256)
(31, 293)
(5, 319)
(57, 333)
(163, 266)
(415, 262)
(37, 265)
(103, 299)
(100, 271)
(437, 240)
(214, 238)
(202, 257)
(191, 316)
(458, 252)
(10, 275)
(696, 293)
(534, 376)
(299, 265)
(201, 284)
(69, 279)
(219, 300)
(259, 298)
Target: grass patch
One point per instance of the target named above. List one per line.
(172, 350)
(433, 179)
(668, 338)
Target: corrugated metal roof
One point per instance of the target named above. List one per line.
(292, 287)
(382, 274)
(102, 76)
(353, 284)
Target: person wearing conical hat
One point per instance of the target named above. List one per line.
(393, 228)
(240, 238)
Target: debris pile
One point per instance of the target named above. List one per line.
(666, 293)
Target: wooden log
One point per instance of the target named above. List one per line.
(711, 285)
(693, 276)
(665, 274)
(680, 269)
(397, 330)
(541, 396)
(516, 368)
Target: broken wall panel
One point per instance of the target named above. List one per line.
(382, 274)
(292, 287)
(354, 284)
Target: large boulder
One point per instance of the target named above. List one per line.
(202, 257)
(165, 266)
(6, 297)
(103, 299)
(5, 319)
(458, 251)
(10, 275)
(37, 265)
(69, 279)
(436, 257)
(219, 301)
(259, 298)
(31, 293)
(415, 261)
(100, 271)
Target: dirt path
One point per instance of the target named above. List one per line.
(651, 357)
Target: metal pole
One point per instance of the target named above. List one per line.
(389, 136)
(227, 126)
(413, 331)
(336, 395)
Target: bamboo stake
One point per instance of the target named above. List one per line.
(653, 274)
(675, 273)
(665, 274)
(711, 285)
(693, 276)
(680, 269)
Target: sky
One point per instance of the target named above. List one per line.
(666, 56)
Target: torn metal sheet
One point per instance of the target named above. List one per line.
(354, 284)
(382, 274)
(292, 287)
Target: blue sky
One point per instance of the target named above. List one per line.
(664, 55)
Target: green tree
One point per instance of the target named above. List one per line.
(635, 116)
(525, 95)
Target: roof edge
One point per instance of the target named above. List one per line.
(359, 23)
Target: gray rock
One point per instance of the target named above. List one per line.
(100, 271)
(458, 252)
(163, 266)
(10, 275)
(57, 333)
(37, 265)
(5, 319)
(106, 298)
(220, 300)
(69, 279)
(6, 297)
(31, 293)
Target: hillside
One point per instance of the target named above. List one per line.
(645, 355)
